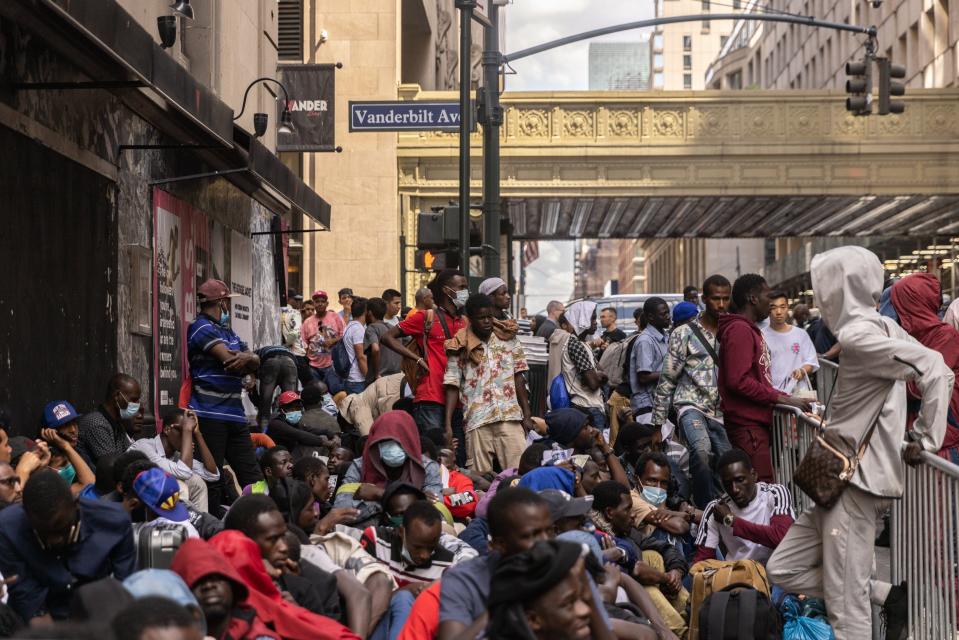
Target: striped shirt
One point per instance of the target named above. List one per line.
(386, 545)
(771, 500)
(216, 392)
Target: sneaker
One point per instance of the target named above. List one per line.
(895, 612)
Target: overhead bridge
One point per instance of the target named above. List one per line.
(703, 164)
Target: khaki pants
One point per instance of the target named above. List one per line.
(194, 491)
(505, 440)
(672, 608)
(615, 403)
(831, 555)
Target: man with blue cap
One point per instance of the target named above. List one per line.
(160, 493)
(683, 313)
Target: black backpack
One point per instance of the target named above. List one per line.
(739, 613)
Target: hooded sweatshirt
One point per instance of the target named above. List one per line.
(290, 621)
(195, 560)
(746, 393)
(878, 358)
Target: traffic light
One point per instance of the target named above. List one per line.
(887, 72)
(859, 87)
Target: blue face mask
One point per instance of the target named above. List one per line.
(654, 495)
(224, 318)
(392, 454)
(396, 521)
(293, 417)
(131, 409)
(68, 473)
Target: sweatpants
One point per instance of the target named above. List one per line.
(754, 440)
(829, 554)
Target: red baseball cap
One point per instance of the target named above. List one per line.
(288, 397)
(214, 290)
(319, 293)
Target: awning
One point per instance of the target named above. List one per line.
(117, 54)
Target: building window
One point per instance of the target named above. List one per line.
(737, 5)
(705, 26)
(705, 6)
(289, 30)
(658, 80)
(657, 61)
(657, 42)
(687, 43)
(687, 81)
(687, 62)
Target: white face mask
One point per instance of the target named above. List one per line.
(460, 297)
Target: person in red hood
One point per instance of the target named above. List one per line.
(289, 621)
(746, 393)
(917, 299)
(221, 593)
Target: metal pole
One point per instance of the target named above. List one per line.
(403, 268)
(466, 43)
(493, 120)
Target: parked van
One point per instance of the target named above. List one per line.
(627, 304)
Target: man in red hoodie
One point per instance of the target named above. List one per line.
(747, 396)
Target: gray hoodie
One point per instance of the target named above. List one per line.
(878, 357)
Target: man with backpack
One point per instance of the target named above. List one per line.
(688, 382)
(614, 362)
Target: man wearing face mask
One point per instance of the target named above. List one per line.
(102, 431)
(434, 327)
(287, 430)
(218, 361)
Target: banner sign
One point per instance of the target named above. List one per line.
(311, 88)
(241, 283)
(404, 116)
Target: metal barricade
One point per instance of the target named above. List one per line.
(826, 379)
(925, 547)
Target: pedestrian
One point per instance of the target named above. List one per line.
(394, 304)
(583, 379)
(829, 553)
(307, 310)
(218, 361)
(792, 355)
(277, 370)
(102, 432)
(745, 387)
(691, 295)
(11, 490)
(554, 309)
(159, 492)
(65, 460)
(434, 327)
(611, 333)
(381, 361)
(498, 292)
(353, 338)
(915, 298)
(423, 300)
(801, 315)
(288, 431)
(688, 382)
(318, 408)
(320, 332)
(683, 313)
(345, 297)
(484, 375)
(291, 328)
(154, 617)
(646, 358)
(172, 450)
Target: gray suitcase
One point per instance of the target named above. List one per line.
(156, 543)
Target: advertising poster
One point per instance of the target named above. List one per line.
(312, 90)
(181, 255)
(241, 283)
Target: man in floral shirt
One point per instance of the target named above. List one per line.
(484, 372)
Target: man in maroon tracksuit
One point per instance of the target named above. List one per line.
(746, 393)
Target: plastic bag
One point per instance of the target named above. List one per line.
(805, 619)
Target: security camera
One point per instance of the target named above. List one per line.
(166, 26)
(876, 4)
(324, 36)
(260, 121)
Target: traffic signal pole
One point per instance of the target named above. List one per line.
(492, 120)
(466, 43)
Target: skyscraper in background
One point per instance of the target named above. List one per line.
(619, 66)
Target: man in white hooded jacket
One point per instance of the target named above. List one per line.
(830, 553)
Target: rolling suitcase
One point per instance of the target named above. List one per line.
(156, 543)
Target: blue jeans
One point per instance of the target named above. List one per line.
(430, 419)
(597, 417)
(707, 441)
(327, 375)
(354, 387)
(392, 622)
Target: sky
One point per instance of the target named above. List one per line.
(532, 22)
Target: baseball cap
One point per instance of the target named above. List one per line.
(319, 293)
(563, 505)
(293, 294)
(58, 413)
(287, 397)
(160, 492)
(345, 291)
(214, 290)
(685, 311)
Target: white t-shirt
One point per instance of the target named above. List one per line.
(771, 500)
(353, 335)
(788, 351)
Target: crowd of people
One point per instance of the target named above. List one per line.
(381, 473)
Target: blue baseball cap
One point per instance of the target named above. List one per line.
(58, 413)
(160, 492)
(684, 311)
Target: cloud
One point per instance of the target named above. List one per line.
(551, 276)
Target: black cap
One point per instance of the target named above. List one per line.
(345, 291)
(293, 294)
(562, 505)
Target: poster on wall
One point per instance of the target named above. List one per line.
(241, 283)
(181, 262)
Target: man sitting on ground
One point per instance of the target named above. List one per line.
(102, 431)
(649, 512)
(750, 520)
(173, 450)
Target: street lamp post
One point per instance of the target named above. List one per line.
(466, 43)
(492, 120)
(286, 119)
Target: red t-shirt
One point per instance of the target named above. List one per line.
(424, 619)
(430, 387)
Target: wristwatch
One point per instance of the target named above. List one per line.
(728, 519)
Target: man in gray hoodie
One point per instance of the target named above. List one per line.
(830, 553)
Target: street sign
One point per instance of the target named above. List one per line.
(404, 116)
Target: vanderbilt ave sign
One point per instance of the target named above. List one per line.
(404, 116)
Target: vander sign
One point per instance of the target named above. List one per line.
(404, 116)
(312, 90)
